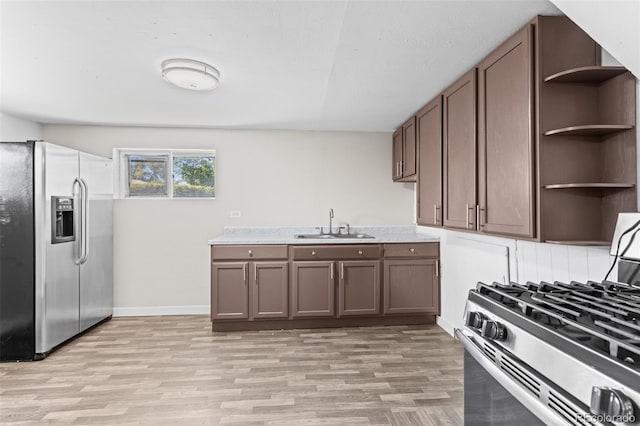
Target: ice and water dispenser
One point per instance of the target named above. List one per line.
(62, 228)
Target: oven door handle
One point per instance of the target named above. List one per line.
(537, 407)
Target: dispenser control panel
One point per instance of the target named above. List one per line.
(62, 217)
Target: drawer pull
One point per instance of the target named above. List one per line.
(359, 251)
(412, 250)
(250, 252)
(313, 253)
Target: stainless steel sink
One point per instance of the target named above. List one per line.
(354, 236)
(333, 236)
(315, 236)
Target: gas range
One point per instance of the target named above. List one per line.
(569, 352)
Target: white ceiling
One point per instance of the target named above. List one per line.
(314, 65)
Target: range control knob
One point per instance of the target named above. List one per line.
(474, 319)
(610, 402)
(493, 330)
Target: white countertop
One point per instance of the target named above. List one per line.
(234, 235)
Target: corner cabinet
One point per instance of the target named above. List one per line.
(587, 139)
(404, 152)
(279, 286)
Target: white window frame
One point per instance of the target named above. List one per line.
(121, 170)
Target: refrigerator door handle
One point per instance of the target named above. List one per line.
(79, 227)
(85, 221)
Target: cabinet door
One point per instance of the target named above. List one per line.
(411, 286)
(397, 154)
(459, 132)
(409, 150)
(359, 288)
(505, 138)
(270, 290)
(229, 293)
(429, 134)
(312, 289)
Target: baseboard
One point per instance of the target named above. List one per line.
(152, 311)
(445, 325)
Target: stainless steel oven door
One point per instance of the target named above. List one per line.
(525, 397)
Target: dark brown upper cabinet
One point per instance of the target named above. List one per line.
(459, 153)
(397, 155)
(506, 186)
(429, 183)
(404, 152)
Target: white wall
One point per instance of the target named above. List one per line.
(467, 258)
(614, 24)
(272, 177)
(14, 129)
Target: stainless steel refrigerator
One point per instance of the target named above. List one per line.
(56, 246)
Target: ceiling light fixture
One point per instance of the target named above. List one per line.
(190, 74)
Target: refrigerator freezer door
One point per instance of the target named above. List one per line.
(57, 276)
(17, 261)
(96, 273)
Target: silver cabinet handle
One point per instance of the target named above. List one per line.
(412, 250)
(360, 252)
(244, 273)
(313, 252)
(250, 252)
(467, 213)
(437, 268)
(332, 270)
(255, 272)
(469, 224)
(435, 214)
(481, 210)
(342, 271)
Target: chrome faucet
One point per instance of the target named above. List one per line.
(330, 221)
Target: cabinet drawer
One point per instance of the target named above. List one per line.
(411, 250)
(248, 252)
(336, 252)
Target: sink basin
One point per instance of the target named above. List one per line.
(354, 236)
(332, 236)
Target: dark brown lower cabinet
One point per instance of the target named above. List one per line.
(313, 289)
(359, 287)
(229, 290)
(411, 286)
(270, 290)
(309, 286)
(230, 293)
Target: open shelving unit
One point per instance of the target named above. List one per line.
(587, 140)
(588, 75)
(589, 130)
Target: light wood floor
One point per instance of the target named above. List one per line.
(174, 370)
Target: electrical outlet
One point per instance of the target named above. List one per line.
(235, 213)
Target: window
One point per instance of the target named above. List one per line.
(166, 173)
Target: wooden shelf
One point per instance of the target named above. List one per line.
(579, 243)
(590, 75)
(591, 185)
(589, 130)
